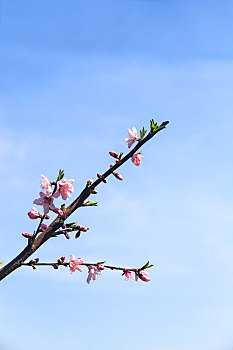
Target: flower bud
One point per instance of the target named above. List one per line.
(100, 267)
(143, 275)
(89, 182)
(111, 165)
(43, 227)
(58, 211)
(64, 226)
(83, 228)
(62, 258)
(34, 261)
(26, 235)
(77, 234)
(34, 214)
(94, 192)
(114, 154)
(67, 236)
(55, 266)
(118, 176)
(47, 217)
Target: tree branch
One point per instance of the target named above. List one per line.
(78, 202)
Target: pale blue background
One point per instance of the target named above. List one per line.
(75, 76)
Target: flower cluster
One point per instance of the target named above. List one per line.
(64, 188)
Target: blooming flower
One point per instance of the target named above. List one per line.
(64, 188)
(127, 274)
(92, 274)
(136, 159)
(34, 214)
(46, 202)
(143, 275)
(46, 184)
(133, 136)
(75, 264)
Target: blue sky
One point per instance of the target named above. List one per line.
(75, 76)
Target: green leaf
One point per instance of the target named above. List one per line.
(1, 262)
(60, 175)
(91, 204)
(72, 224)
(142, 133)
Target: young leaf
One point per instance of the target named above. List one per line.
(142, 133)
(60, 175)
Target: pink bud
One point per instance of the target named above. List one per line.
(114, 154)
(67, 236)
(77, 235)
(55, 266)
(111, 165)
(34, 261)
(89, 182)
(143, 275)
(83, 228)
(58, 211)
(99, 176)
(34, 214)
(62, 258)
(94, 192)
(43, 227)
(118, 176)
(64, 226)
(100, 267)
(26, 235)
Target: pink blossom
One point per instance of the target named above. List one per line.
(127, 274)
(46, 184)
(143, 275)
(75, 264)
(118, 176)
(114, 154)
(34, 214)
(46, 202)
(92, 274)
(133, 136)
(26, 235)
(64, 188)
(136, 159)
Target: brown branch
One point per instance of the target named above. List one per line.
(56, 224)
